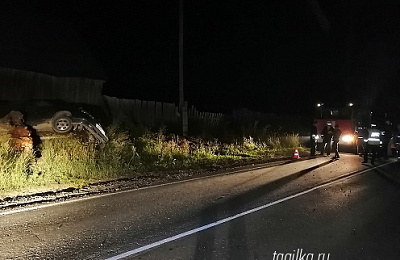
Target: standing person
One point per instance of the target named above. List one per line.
(372, 141)
(386, 135)
(313, 138)
(360, 138)
(396, 141)
(336, 137)
(327, 134)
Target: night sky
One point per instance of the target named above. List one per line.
(269, 56)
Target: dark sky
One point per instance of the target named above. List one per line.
(271, 56)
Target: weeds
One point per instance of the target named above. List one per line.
(74, 162)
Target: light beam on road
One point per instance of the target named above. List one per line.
(225, 220)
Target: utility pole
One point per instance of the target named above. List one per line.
(182, 104)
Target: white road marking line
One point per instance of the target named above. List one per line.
(222, 221)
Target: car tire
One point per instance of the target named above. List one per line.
(62, 124)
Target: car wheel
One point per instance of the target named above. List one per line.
(62, 124)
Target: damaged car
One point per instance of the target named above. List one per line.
(49, 117)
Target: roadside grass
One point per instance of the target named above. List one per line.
(75, 162)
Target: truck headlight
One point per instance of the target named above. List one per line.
(347, 139)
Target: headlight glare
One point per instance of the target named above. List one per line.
(347, 138)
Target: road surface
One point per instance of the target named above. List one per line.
(308, 209)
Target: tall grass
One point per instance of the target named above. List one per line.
(15, 166)
(72, 161)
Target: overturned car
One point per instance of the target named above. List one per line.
(48, 116)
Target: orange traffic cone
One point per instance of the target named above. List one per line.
(296, 154)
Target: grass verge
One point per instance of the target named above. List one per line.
(73, 162)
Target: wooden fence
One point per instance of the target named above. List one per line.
(206, 117)
(153, 114)
(19, 85)
(147, 113)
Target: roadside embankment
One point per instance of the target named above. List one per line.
(70, 164)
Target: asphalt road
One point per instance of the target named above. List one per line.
(312, 208)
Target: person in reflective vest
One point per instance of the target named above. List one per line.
(396, 141)
(372, 142)
(360, 138)
(386, 136)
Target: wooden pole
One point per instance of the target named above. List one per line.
(182, 103)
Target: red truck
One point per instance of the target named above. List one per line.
(344, 118)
